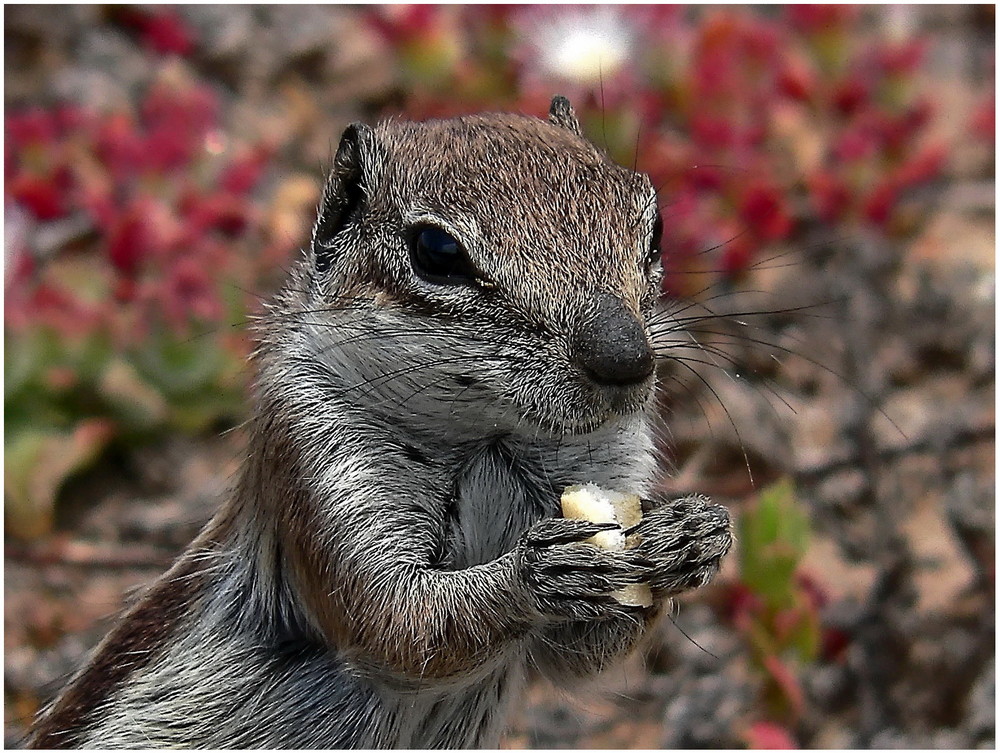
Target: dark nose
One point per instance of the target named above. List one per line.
(611, 346)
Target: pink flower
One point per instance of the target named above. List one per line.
(769, 736)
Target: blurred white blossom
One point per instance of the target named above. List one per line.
(582, 44)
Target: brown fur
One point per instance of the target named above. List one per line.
(133, 644)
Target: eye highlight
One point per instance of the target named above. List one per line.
(438, 257)
(655, 251)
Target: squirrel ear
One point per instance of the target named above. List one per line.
(344, 190)
(562, 114)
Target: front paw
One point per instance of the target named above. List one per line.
(566, 578)
(685, 539)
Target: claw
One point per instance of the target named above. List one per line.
(564, 531)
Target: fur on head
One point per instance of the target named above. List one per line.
(497, 266)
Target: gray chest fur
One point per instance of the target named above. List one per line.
(505, 486)
(497, 496)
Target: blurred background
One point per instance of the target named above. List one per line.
(827, 178)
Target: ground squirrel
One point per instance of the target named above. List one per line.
(466, 336)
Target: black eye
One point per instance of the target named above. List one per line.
(438, 257)
(655, 242)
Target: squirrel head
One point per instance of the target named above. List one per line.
(509, 248)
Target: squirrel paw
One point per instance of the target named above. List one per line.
(569, 579)
(685, 539)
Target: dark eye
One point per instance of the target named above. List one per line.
(438, 257)
(655, 243)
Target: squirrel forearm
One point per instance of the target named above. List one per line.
(442, 623)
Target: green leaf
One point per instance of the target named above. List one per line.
(138, 405)
(180, 367)
(773, 537)
(36, 465)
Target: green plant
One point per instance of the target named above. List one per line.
(132, 235)
(772, 606)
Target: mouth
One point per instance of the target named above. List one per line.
(590, 408)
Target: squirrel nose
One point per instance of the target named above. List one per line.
(611, 346)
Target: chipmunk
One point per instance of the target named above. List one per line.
(466, 336)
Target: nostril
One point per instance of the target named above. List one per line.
(611, 346)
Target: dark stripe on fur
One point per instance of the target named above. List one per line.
(132, 645)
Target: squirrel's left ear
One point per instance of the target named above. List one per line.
(561, 113)
(346, 188)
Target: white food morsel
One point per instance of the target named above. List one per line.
(591, 502)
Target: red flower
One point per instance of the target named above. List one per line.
(797, 82)
(177, 122)
(901, 59)
(400, 24)
(40, 194)
(817, 19)
(119, 146)
(762, 209)
(188, 293)
(169, 148)
(878, 205)
(712, 132)
(137, 235)
(163, 30)
(833, 643)
(34, 127)
(983, 123)
(737, 255)
(244, 172)
(918, 115)
(703, 177)
(850, 95)
(855, 144)
(924, 167)
(830, 196)
(225, 213)
(70, 118)
(126, 290)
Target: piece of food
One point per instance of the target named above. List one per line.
(591, 502)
